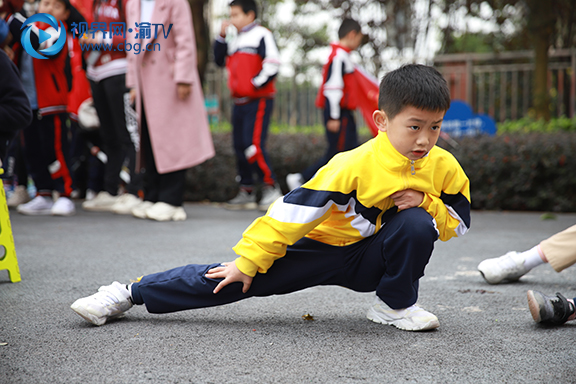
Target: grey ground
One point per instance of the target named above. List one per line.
(486, 333)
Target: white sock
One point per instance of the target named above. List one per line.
(129, 288)
(532, 258)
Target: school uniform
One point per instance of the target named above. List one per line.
(340, 228)
(106, 71)
(46, 145)
(337, 98)
(252, 60)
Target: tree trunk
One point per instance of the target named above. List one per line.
(541, 98)
(202, 32)
(541, 20)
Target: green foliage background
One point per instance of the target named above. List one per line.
(529, 165)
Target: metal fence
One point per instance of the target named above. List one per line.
(293, 105)
(498, 84)
(501, 84)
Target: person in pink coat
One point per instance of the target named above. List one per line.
(165, 86)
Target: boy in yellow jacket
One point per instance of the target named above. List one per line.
(367, 221)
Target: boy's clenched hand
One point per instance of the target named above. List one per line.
(231, 274)
(407, 198)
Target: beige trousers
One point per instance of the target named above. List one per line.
(560, 249)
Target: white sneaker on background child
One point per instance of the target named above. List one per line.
(40, 205)
(125, 203)
(269, 195)
(165, 212)
(109, 302)
(103, 202)
(294, 180)
(63, 207)
(511, 266)
(19, 196)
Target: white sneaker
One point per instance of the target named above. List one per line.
(165, 212)
(40, 205)
(109, 302)
(269, 195)
(412, 318)
(509, 267)
(139, 211)
(294, 180)
(242, 201)
(103, 202)
(63, 207)
(90, 194)
(19, 196)
(125, 203)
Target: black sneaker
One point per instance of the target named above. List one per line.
(549, 309)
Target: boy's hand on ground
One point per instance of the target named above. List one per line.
(231, 274)
(333, 126)
(407, 198)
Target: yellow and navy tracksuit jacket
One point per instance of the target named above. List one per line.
(349, 200)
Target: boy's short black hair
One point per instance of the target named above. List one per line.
(415, 85)
(246, 5)
(347, 26)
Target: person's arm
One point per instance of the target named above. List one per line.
(451, 209)
(185, 48)
(334, 86)
(15, 22)
(15, 111)
(220, 45)
(268, 50)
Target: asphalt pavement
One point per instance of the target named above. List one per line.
(486, 333)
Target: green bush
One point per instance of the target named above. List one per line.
(528, 125)
(511, 171)
(534, 172)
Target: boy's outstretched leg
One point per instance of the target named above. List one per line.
(109, 302)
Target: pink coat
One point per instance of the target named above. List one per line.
(179, 130)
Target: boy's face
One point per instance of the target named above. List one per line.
(413, 132)
(55, 8)
(238, 18)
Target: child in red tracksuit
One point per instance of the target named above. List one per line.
(252, 60)
(337, 98)
(46, 138)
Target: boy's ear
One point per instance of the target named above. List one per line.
(381, 120)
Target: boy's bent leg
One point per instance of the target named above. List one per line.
(406, 246)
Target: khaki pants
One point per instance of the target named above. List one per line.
(560, 249)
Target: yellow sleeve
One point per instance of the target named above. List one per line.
(451, 209)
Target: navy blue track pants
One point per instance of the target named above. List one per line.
(343, 140)
(250, 123)
(390, 263)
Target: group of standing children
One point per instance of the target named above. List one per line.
(167, 141)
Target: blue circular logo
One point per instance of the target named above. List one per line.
(43, 36)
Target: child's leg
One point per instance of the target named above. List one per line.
(44, 150)
(59, 156)
(343, 140)
(560, 249)
(258, 119)
(349, 125)
(108, 96)
(242, 139)
(308, 263)
(395, 259)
